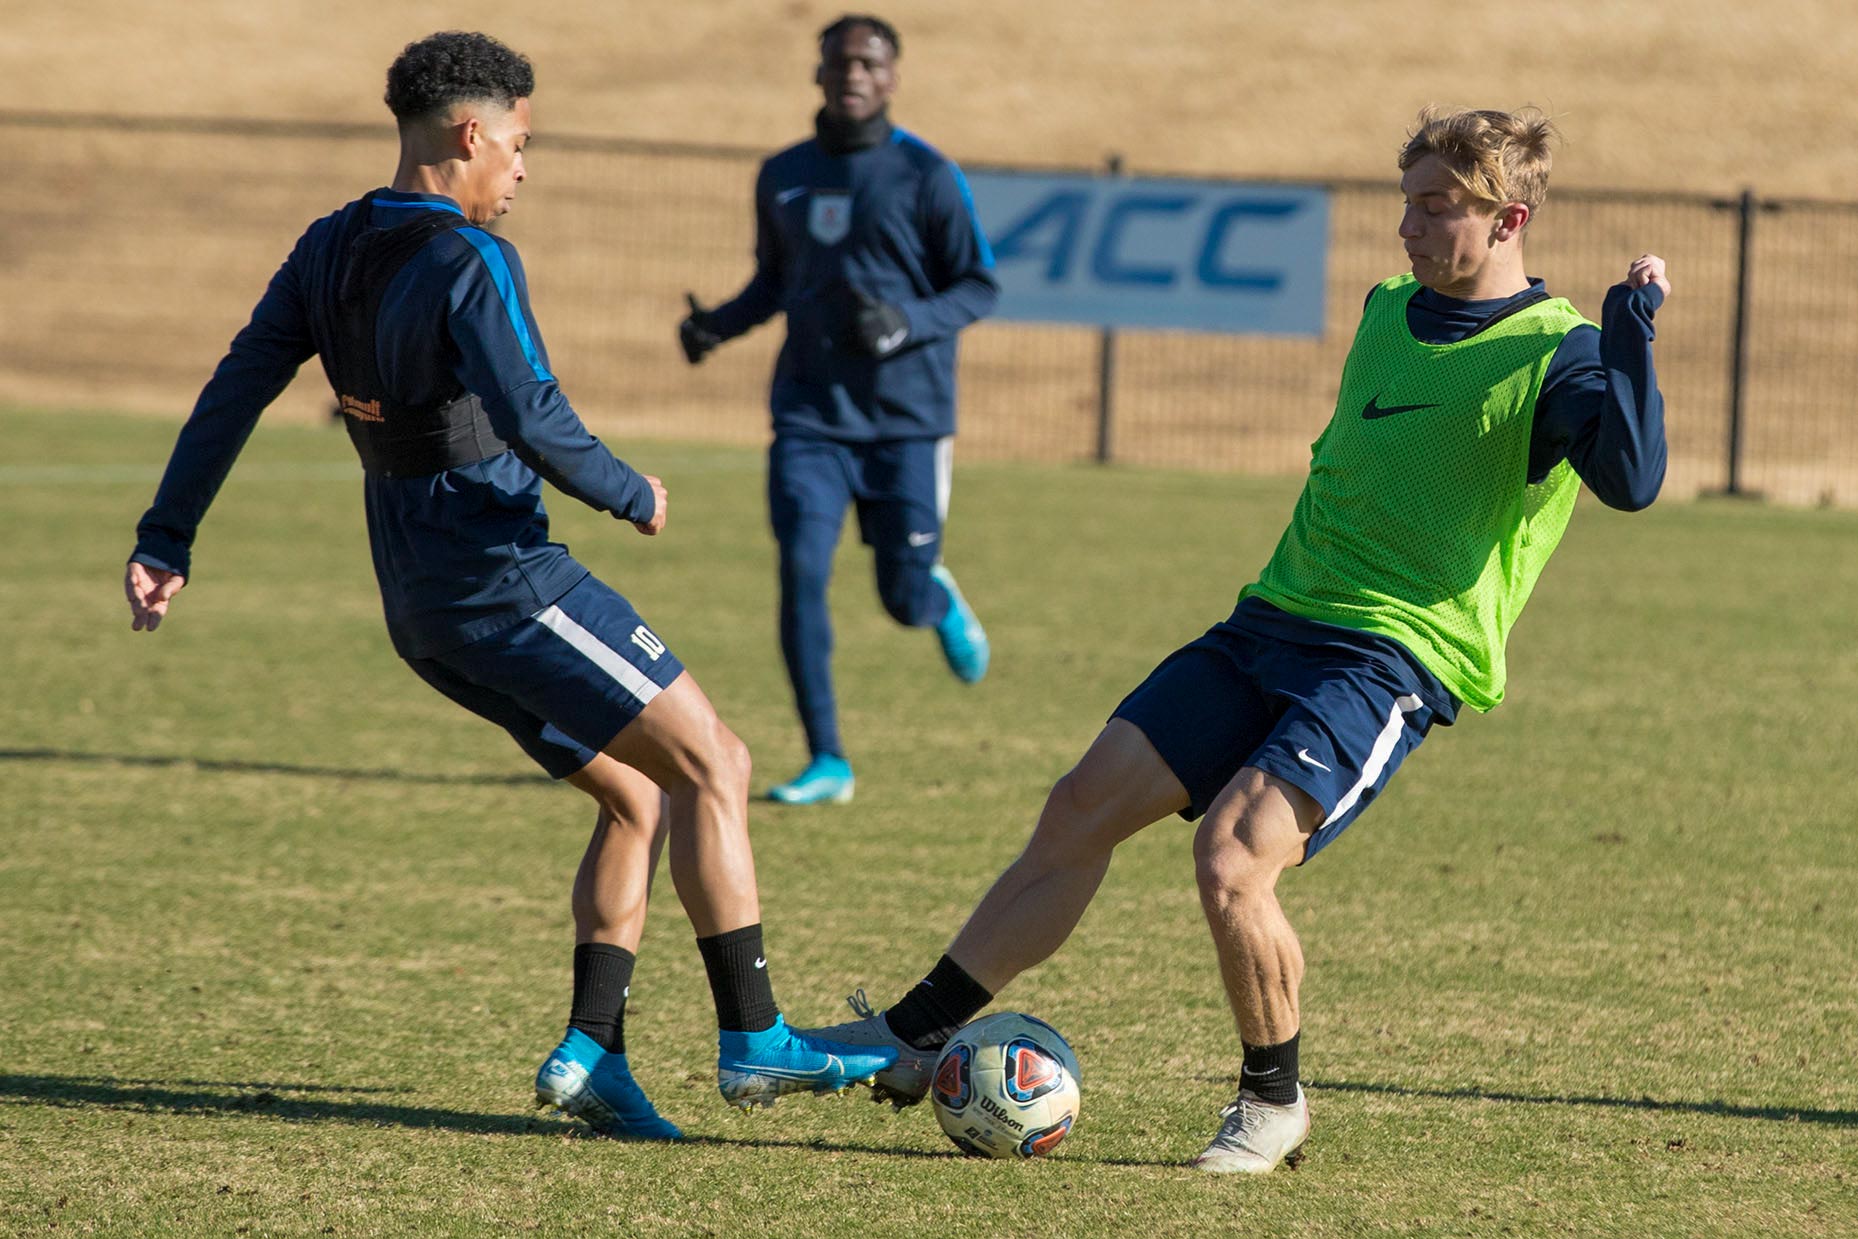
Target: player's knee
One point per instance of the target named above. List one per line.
(1230, 859)
(1068, 829)
(904, 589)
(806, 566)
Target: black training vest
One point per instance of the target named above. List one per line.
(394, 439)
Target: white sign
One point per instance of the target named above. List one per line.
(1129, 252)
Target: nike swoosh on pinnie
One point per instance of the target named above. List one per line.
(1303, 755)
(1373, 409)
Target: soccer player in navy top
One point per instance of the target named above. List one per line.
(866, 238)
(421, 318)
(1472, 409)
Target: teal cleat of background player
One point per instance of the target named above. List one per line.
(755, 1069)
(964, 641)
(827, 779)
(581, 1079)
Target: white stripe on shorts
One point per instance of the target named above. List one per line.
(944, 475)
(1377, 756)
(599, 653)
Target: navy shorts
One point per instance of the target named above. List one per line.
(564, 681)
(1334, 718)
(901, 488)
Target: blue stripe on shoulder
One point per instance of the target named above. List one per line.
(420, 206)
(974, 216)
(901, 137)
(487, 248)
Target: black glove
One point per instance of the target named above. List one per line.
(880, 327)
(697, 333)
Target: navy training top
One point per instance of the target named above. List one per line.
(1599, 409)
(873, 208)
(461, 553)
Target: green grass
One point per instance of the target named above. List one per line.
(283, 934)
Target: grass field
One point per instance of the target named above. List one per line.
(283, 934)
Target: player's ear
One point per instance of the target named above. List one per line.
(1511, 218)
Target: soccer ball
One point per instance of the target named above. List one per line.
(1006, 1086)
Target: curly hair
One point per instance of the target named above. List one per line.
(881, 28)
(1497, 156)
(454, 66)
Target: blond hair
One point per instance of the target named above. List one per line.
(1498, 157)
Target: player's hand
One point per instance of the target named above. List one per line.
(149, 590)
(1648, 269)
(697, 333)
(879, 327)
(659, 500)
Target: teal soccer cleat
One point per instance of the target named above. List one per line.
(827, 779)
(583, 1080)
(964, 641)
(904, 1082)
(754, 1069)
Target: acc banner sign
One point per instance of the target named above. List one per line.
(1128, 252)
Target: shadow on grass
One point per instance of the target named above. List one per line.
(229, 1097)
(271, 767)
(1777, 1114)
(208, 1097)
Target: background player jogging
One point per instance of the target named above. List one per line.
(422, 321)
(1472, 407)
(866, 238)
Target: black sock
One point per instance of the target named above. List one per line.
(739, 980)
(941, 1003)
(602, 982)
(1271, 1071)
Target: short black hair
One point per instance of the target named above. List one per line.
(884, 29)
(454, 66)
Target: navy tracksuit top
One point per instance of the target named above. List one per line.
(459, 553)
(881, 211)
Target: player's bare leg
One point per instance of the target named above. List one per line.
(614, 881)
(1120, 786)
(680, 743)
(588, 1075)
(1256, 829)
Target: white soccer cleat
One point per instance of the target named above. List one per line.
(904, 1082)
(1256, 1135)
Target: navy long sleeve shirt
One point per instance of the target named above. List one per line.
(1600, 408)
(887, 215)
(461, 553)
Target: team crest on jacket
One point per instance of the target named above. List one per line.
(829, 216)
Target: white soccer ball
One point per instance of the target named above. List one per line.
(1006, 1086)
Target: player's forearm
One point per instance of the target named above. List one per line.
(969, 298)
(754, 305)
(249, 378)
(550, 438)
(1623, 461)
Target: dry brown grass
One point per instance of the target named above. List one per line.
(132, 258)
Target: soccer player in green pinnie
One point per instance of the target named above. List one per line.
(1473, 406)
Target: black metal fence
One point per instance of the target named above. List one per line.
(136, 247)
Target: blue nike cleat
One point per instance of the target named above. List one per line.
(616, 1107)
(562, 1080)
(585, 1081)
(827, 779)
(964, 641)
(753, 1069)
